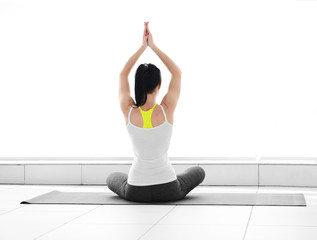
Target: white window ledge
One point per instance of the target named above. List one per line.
(263, 171)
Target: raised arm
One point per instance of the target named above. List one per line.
(171, 98)
(124, 89)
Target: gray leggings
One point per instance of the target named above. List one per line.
(165, 192)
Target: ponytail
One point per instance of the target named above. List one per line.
(147, 77)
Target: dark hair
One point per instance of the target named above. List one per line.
(147, 78)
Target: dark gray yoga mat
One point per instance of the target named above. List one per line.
(102, 198)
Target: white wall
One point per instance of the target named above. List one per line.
(249, 76)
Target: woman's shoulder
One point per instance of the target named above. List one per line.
(157, 115)
(168, 112)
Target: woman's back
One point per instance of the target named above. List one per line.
(157, 116)
(151, 164)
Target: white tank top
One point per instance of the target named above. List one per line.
(151, 164)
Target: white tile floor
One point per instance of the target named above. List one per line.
(152, 222)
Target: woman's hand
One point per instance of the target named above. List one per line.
(150, 42)
(145, 35)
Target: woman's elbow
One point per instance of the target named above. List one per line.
(178, 72)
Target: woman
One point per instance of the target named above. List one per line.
(151, 177)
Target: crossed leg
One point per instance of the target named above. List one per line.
(117, 182)
(176, 190)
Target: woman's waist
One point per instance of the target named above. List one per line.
(142, 171)
(160, 161)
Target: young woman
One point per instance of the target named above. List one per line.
(151, 177)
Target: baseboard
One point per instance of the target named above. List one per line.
(261, 171)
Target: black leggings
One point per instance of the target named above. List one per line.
(165, 192)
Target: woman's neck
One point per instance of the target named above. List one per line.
(150, 101)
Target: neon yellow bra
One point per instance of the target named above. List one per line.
(147, 117)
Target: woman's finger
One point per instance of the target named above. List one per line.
(147, 28)
(145, 31)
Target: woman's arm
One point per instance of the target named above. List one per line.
(174, 89)
(172, 67)
(132, 60)
(171, 98)
(124, 88)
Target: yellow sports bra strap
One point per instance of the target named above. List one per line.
(146, 115)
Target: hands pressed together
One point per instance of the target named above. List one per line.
(147, 36)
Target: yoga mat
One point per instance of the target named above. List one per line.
(102, 198)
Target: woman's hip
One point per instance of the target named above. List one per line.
(169, 191)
